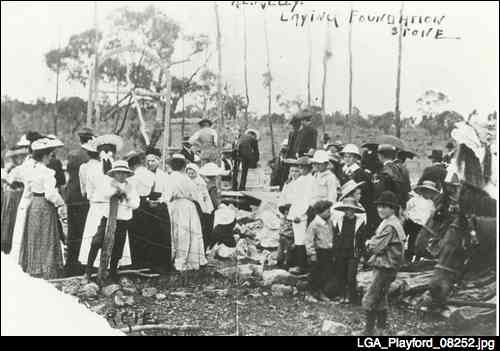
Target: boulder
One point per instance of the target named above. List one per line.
(278, 276)
(335, 328)
(281, 290)
(90, 291)
(110, 290)
(149, 292)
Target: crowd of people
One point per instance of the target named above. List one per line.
(340, 207)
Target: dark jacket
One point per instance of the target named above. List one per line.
(75, 160)
(391, 178)
(57, 166)
(248, 150)
(359, 236)
(189, 155)
(307, 139)
(436, 173)
(292, 144)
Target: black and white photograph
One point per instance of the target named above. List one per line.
(251, 168)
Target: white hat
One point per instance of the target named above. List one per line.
(17, 151)
(321, 156)
(427, 185)
(90, 146)
(178, 157)
(120, 166)
(23, 142)
(45, 144)
(348, 188)
(193, 167)
(110, 139)
(211, 170)
(254, 132)
(351, 149)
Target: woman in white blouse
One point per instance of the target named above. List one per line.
(41, 253)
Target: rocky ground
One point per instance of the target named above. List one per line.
(211, 303)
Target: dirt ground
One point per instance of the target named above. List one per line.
(217, 306)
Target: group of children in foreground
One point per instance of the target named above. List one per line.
(327, 238)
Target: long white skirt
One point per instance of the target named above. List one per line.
(17, 235)
(94, 217)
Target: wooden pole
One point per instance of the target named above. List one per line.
(397, 113)
(309, 66)
(245, 59)
(326, 57)
(220, 110)
(96, 69)
(109, 240)
(56, 111)
(350, 122)
(269, 89)
(166, 128)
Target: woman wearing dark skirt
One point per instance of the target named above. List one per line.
(41, 250)
(12, 196)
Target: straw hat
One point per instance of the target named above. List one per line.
(351, 149)
(110, 139)
(193, 167)
(120, 166)
(90, 146)
(23, 142)
(211, 170)
(18, 151)
(46, 143)
(205, 121)
(133, 154)
(427, 185)
(304, 161)
(349, 187)
(349, 205)
(321, 156)
(291, 161)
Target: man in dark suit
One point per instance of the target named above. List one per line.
(437, 172)
(78, 205)
(296, 123)
(248, 150)
(187, 150)
(307, 138)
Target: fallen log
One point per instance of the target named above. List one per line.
(162, 327)
(463, 303)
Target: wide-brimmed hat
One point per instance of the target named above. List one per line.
(304, 161)
(133, 155)
(23, 142)
(205, 121)
(120, 166)
(110, 139)
(211, 170)
(306, 115)
(386, 147)
(351, 149)
(388, 198)
(178, 157)
(348, 188)
(349, 205)
(321, 156)
(17, 151)
(86, 132)
(193, 167)
(46, 144)
(291, 161)
(253, 131)
(427, 185)
(437, 155)
(90, 146)
(406, 154)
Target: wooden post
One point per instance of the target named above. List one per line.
(397, 113)
(309, 65)
(350, 122)
(109, 240)
(326, 57)
(269, 89)
(96, 69)
(245, 59)
(166, 134)
(220, 122)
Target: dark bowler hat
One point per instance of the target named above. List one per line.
(86, 132)
(388, 198)
(153, 151)
(437, 155)
(205, 121)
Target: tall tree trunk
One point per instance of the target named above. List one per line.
(220, 110)
(309, 66)
(398, 82)
(166, 113)
(326, 58)
(56, 110)
(350, 122)
(269, 89)
(245, 59)
(96, 70)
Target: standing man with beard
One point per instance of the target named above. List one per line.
(78, 205)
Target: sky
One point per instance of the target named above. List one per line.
(465, 69)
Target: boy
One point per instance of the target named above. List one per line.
(115, 184)
(326, 182)
(387, 247)
(319, 248)
(349, 235)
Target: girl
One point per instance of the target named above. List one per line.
(387, 248)
(348, 246)
(12, 196)
(41, 251)
(188, 250)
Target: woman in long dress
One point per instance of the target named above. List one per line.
(41, 253)
(188, 250)
(12, 196)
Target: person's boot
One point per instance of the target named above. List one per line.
(113, 270)
(90, 262)
(300, 260)
(371, 317)
(382, 320)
